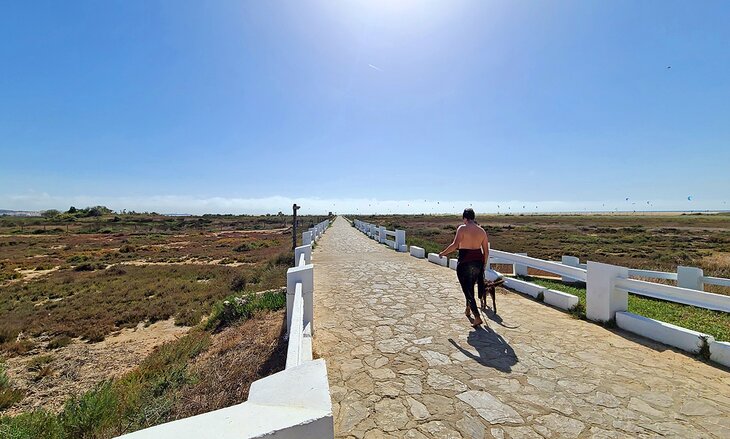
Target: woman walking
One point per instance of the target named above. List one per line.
(473, 245)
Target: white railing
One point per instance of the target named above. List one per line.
(686, 277)
(381, 234)
(685, 296)
(293, 403)
(312, 235)
(518, 261)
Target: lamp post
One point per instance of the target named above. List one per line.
(294, 226)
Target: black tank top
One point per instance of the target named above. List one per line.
(470, 255)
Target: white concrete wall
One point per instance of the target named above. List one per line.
(720, 352)
(571, 261)
(292, 404)
(305, 276)
(520, 269)
(436, 259)
(682, 338)
(690, 277)
(603, 300)
(307, 238)
(560, 299)
(525, 287)
(305, 250)
(417, 252)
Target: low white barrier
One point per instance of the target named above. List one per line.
(436, 259)
(418, 252)
(720, 352)
(560, 299)
(292, 404)
(672, 335)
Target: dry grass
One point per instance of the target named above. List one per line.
(238, 356)
(86, 278)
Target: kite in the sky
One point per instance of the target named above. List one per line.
(689, 198)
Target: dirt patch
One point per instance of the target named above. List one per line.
(230, 233)
(78, 367)
(27, 275)
(192, 261)
(238, 356)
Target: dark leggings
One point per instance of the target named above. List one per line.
(469, 273)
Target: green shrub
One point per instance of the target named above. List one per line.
(76, 259)
(238, 283)
(93, 334)
(286, 259)
(237, 307)
(8, 335)
(38, 424)
(8, 395)
(17, 347)
(91, 413)
(59, 342)
(37, 363)
(188, 317)
(127, 248)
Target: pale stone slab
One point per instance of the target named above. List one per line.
(490, 408)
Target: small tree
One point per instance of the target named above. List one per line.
(50, 213)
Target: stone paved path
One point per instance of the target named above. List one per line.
(403, 361)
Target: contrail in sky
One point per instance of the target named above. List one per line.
(375, 67)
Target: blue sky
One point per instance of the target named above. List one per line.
(234, 106)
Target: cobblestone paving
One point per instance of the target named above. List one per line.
(404, 362)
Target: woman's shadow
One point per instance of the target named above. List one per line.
(493, 350)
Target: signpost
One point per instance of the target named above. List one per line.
(294, 226)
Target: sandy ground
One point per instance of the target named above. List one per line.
(79, 366)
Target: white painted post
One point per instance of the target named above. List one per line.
(306, 250)
(519, 269)
(306, 238)
(400, 239)
(603, 300)
(381, 235)
(571, 261)
(305, 275)
(690, 277)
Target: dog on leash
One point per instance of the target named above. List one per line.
(491, 280)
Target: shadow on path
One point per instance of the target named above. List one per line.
(491, 315)
(494, 351)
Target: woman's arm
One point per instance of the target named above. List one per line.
(485, 249)
(454, 245)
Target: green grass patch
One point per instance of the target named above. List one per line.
(714, 323)
(242, 306)
(8, 394)
(426, 244)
